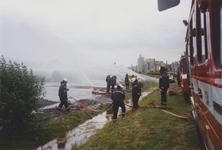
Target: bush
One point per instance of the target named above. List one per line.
(20, 95)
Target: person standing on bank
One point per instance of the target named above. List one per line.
(127, 81)
(118, 97)
(178, 79)
(163, 85)
(136, 93)
(63, 95)
(108, 81)
(114, 78)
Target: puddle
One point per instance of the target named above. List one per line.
(80, 134)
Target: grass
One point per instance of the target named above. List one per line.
(155, 74)
(146, 128)
(149, 128)
(50, 130)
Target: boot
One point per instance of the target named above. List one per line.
(59, 108)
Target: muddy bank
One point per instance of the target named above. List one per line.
(55, 113)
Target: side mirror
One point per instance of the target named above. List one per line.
(166, 4)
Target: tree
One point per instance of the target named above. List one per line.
(20, 95)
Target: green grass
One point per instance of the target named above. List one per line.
(149, 128)
(146, 128)
(50, 130)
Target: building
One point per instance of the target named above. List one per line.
(146, 65)
(151, 65)
(133, 68)
(140, 64)
(159, 64)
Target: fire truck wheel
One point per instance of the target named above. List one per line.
(201, 142)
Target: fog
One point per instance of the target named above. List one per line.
(81, 40)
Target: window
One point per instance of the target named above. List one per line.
(203, 53)
(201, 34)
(217, 33)
(192, 42)
(221, 35)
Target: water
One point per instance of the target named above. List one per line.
(83, 89)
(77, 92)
(80, 134)
(80, 84)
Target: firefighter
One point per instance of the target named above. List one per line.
(178, 79)
(171, 78)
(63, 95)
(136, 93)
(118, 97)
(127, 81)
(163, 85)
(114, 78)
(108, 82)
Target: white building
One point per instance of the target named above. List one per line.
(151, 64)
(140, 64)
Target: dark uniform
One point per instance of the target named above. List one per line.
(178, 79)
(118, 97)
(114, 78)
(108, 81)
(136, 93)
(127, 81)
(164, 85)
(63, 95)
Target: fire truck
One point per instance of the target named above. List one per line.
(204, 68)
(183, 78)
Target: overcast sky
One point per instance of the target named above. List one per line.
(101, 31)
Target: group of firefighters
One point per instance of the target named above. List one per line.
(117, 95)
(111, 81)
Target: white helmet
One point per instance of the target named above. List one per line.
(65, 79)
(133, 79)
(120, 85)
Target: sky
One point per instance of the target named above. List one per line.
(91, 31)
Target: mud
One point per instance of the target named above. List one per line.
(54, 113)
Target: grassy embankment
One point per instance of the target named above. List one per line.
(154, 74)
(149, 128)
(51, 129)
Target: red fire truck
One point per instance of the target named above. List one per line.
(183, 77)
(204, 67)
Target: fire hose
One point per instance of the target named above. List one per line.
(162, 108)
(102, 92)
(83, 106)
(155, 106)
